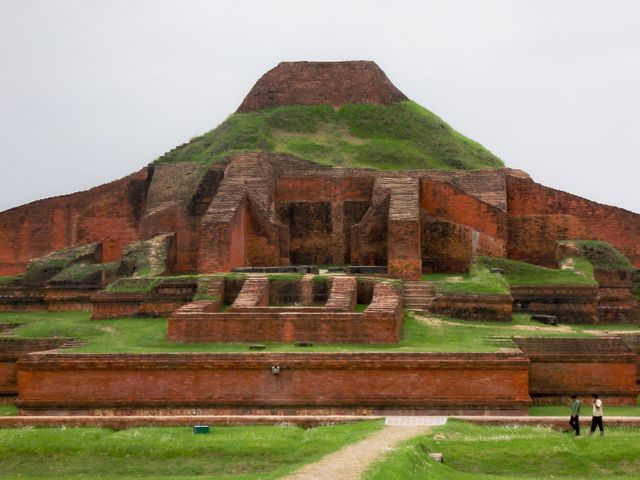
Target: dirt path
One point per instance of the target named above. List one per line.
(350, 462)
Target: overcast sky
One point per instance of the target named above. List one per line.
(91, 91)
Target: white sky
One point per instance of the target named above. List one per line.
(91, 91)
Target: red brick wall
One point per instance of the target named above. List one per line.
(497, 308)
(276, 326)
(321, 83)
(443, 200)
(580, 366)
(10, 351)
(404, 259)
(306, 381)
(588, 219)
(571, 304)
(109, 214)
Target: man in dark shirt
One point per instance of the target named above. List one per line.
(574, 421)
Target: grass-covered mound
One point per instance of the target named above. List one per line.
(599, 253)
(246, 453)
(509, 452)
(522, 273)
(399, 136)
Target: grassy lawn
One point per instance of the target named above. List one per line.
(245, 453)
(6, 410)
(509, 452)
(402, 136)
(145, 335)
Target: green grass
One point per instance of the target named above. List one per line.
(148, 335)
(480, 281)
(601, 254)
(8, 410)
(403, 135)
(521, 273)
(133, 285)
(285, 277)
(474, 452)
(241, 453)
(7, 279)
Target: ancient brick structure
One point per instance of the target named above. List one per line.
(11, 349)
(321, 83)
(322, 383)
(264, 209)
(561, 367)
(250, 318)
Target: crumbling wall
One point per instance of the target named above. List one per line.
(109, 214)
(562, 216)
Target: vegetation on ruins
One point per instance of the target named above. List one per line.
(474, 452)
(430, 333)
(82, 273)
(9, 279)
(134, 285)
(479, 281)
(238, 452)
(8, 410)
(600, 254)
(522, 273)
(399, 136)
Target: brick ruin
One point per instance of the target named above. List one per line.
(260, 209)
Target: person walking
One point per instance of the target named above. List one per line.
(596, 419)
(574, 421)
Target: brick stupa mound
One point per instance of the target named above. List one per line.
(322, 83)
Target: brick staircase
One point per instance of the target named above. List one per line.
(342, 295)
(254, 293)
(418, 295)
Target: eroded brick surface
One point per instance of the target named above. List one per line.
(321, 83)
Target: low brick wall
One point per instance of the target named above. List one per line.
(571, 304)
(561, 367)
(282, 326)
(114, 305)
(69, 299)
(497, 308)
(251, 321)
(20, 299)
(245, 383)
(41, 299)
(10, 351)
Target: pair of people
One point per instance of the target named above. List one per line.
(596, 418)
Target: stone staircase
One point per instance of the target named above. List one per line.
(418, 295)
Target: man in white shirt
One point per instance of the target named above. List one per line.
(596, 419)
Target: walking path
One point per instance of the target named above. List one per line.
(350, 462)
